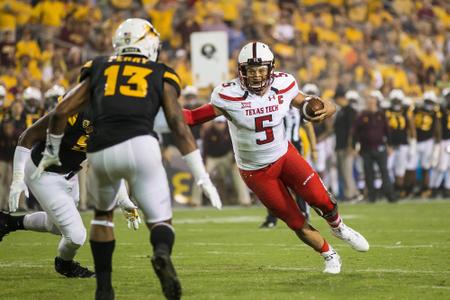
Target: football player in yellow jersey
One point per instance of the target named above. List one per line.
(402, 137)
(443, 167)
(427, 119)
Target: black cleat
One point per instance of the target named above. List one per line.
(268, 224)
(4, 228)
(167, 276)
(104, 294)
(72, 269)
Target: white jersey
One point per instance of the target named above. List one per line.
(256, 122)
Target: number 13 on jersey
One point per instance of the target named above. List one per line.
(136, 85)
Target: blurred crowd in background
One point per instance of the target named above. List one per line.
(351, 50)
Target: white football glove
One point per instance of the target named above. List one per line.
(210, 191)
(17, 187)
(201, 177)
(50, 156)
(130, 211)
(21, 155)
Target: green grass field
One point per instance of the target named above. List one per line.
(223, 255)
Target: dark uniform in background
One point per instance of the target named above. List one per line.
(371, 131)
(399, 118)
(428, 127)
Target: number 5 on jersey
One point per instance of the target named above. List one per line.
(136, 85)
(259, 127)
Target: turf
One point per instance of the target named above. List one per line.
(223, 255)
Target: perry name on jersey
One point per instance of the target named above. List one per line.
(256, 122)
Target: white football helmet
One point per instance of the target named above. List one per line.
(397, 98)
(32, 93)
(137, 37)
(54, 91)
(430, 96)
(352, 95)
(397, 94)
(255, 54)
(311, 89)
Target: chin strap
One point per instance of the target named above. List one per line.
(199, 115)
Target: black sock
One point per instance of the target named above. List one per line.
(15, 223)
(162, 238)
(102, 253)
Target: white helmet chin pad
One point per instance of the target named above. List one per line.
(136, 37)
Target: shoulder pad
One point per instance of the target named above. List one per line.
(282, 82)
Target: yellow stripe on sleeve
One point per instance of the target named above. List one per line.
(172, 76)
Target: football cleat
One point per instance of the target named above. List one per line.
(165, 271)
(72, 269)
(351, 237)
(332, 262)
(268, 224)
(4, 229)
(104, 294)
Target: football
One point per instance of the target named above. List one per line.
(311, 105)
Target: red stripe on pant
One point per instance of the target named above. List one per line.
(292, 171)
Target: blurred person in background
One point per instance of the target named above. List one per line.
(2, 102)
(324, 141)
(442, 169)
(51, 97)
(427, 119)
(33, 108)
(370, 130)
(343, 122)
(10, 129)
(219, 161)
(402, 137)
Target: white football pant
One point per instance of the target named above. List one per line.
(59, 199)
(443, 168)
(422, 156)
(398, 161)
(138, 161)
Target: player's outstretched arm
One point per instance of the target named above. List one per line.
(186, 144)
(21, 154)
(202, 114)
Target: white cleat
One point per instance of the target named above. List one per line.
(351, 237)
(332, 262)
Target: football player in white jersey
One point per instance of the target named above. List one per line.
(57, 193)
(255, 104)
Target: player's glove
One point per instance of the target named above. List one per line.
(130, 211)
(21, 155)
(50, 156)
(195, 163)
(17, 187)
(210, 191)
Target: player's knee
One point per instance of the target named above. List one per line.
(77, 238)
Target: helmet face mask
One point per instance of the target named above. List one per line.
(255, 77)
(255, 67)
(397, 104)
